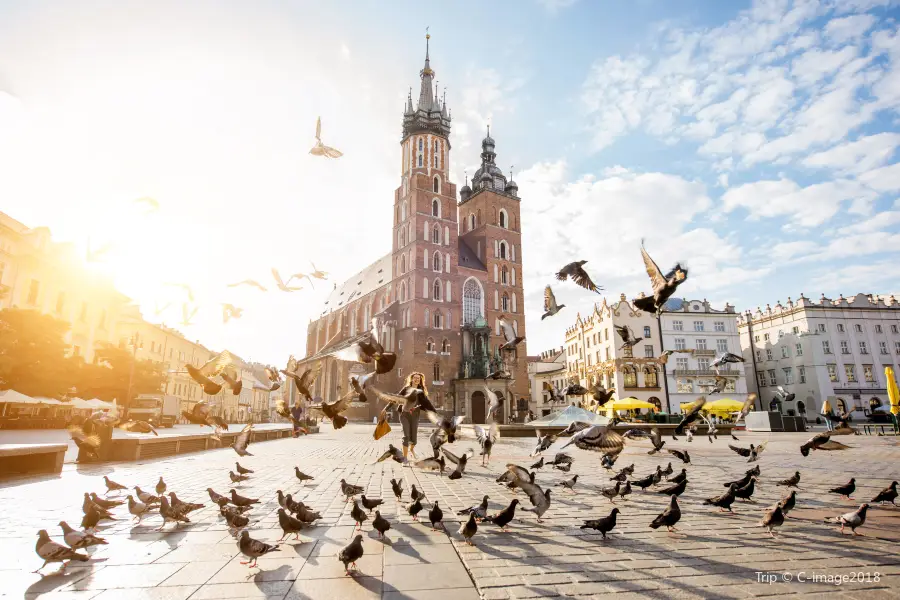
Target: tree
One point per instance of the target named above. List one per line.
(33, 353)
(108, 377)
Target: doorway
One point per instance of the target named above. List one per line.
(478, 408)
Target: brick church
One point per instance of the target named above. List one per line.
(454, 267)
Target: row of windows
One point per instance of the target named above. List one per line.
(703, 386)
(700, 344)
(430, 347)
(431, 233)
(820, 328)
(501, 219)
(34, 290)
(698, 325)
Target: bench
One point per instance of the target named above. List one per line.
(17, 459)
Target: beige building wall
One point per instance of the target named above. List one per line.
(39, 274)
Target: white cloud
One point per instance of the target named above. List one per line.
(865, 277)
(858, 156)
(764, 87)
(345, 51)
(846, 29)
(805, 206)
(602, 220)
(884, 179)
(785, 251)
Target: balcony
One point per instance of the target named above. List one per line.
(706, 373)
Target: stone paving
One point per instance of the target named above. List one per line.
(715, 556)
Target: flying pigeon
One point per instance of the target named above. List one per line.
(242, 440)
(663, 285)
(577, 273)
(511, 340)
(550, 305)
(321, 149)
(629, 340)
(723, 358)
(487, 439)
(250, 283)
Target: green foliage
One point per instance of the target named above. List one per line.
(33, 361)
(108, 377)
(33, 354)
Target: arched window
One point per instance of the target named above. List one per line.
(354, 318)
(402, 264)
(630, 376)
(367, 316)
(650, 378)
(504, 275)
(445, 345)
(436, 371)
(436, 291)
(420, 159)
(401, 237)
(427, 317)
(436, 185)
(436, 235)
(504, 302)
(503, 250)
(403, 211)
(473, 301)
(437, 320)
(504, 219)
(436, 262)
(429, 345)
(420, 144)
(403, 291)
(435, 208)
(471, 222)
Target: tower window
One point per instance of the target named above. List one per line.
(504, 303)
(403, 264)
(435, 207)
(436, 235)
(437, 291)
(436, 186)
(504, 220)
(420, 144)
(503, 250)
(420, 160)
(471, 222)
(436, 262)
(504, 276)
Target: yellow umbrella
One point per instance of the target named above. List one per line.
(629, 404)
(725, 405)
(893, 391)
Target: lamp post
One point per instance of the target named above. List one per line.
(135, 341)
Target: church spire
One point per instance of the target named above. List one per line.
(430, 114)
(426, 93)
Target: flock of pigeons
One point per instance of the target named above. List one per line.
(294, 516)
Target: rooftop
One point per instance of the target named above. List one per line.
(468, 258)
(857, 302)
(368, 280)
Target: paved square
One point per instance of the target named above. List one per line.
(716, 555)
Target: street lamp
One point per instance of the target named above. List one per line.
(135, 342)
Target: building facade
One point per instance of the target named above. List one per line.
(594, 354)
(454, 268)
(833, 349)
(548, 367)
(39, 274)
(696, 326)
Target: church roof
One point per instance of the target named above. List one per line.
(468, 258)
(376, 275)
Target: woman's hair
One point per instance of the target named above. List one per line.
(409, 379)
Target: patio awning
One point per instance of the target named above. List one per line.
(630, 403)
(17, 397)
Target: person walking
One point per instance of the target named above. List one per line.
(828, 414)
(296, 413)
(409, 416)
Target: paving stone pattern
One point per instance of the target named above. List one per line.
(715, 555)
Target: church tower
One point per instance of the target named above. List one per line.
(425, 243)
(491, 227)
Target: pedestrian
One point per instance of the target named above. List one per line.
(296, 413)
(827, 413)
(409, 417)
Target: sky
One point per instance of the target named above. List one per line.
(755, 142)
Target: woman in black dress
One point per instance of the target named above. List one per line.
(409, 415)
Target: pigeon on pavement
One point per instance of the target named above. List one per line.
(79, 539)
(854, 519)
(603, 525)
(351, 553)
(170, 514)
(792, 481)
(773, 518)
(845, 490)
(380, 524)
(239, 500)
(479, 510)
(888, 494)
(668, 517)
(504, 517)
(724, 501)
(289, 524)
(51, 551)
(469, 528)
(358, 515)
(436, 515)
(253, 549)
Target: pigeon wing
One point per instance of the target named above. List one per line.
(549, 300)
(657, 281)
(452, 457)
(243, 438)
